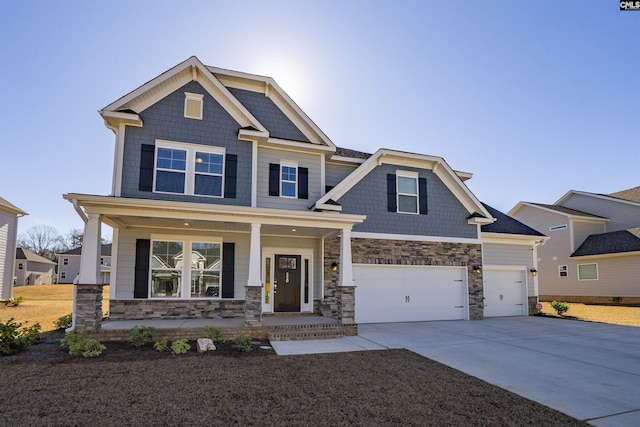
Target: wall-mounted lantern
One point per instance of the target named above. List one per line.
(334, 266)
(477, 269)
(533, 272)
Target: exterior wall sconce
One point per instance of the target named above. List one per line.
(477, 269)
(533, 272)
(334, 266)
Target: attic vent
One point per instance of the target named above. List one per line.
(193, 105)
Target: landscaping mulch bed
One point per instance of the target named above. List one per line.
(126, 386)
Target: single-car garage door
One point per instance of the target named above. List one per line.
(504, 293)
(401, 293)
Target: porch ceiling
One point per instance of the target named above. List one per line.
(120, 212)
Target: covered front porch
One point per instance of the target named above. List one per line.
(260, 241)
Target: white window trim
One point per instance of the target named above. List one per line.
(566, 269)
(289, 164)
(190, 168)
(587, 280)
(185, 289)
(407, 174)
(188, 96)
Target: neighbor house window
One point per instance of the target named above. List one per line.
(20, 266)
(193, 103)
(189, 169)
(65, 261)
(289, 180)
(588, 272)
(562, 270)
(191, 268)
(407, 191)
(63, 274)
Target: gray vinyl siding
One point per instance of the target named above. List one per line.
(583, 229)
(305, 160)
(165, 120)
(447, 217)
(72, 269)
(127, 255)
(335, 173)
(302, 243)
(506, 254)
(268, 114)
(8, 229)
(622, 215)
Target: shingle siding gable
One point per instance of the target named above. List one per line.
(446, 216)
(267, 113)
(165, 120)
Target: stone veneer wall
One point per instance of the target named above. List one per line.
(88, 307)
(253, 305)
(143, 309)
(402, 252)
(532, 305)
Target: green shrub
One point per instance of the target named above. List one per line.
(13, 339)
(242, 343)
(14, 302)
(79, 345)
(64, 322)
(180, 346)
(161, 345)
(560, 307)
(616, 300)
(213, 333)
(141, 335)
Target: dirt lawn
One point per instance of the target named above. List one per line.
(44, 304)
(615, 315)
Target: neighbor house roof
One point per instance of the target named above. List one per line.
(615, 242)
(105, 251)
(632, 194)
(568, 211)
(507, 225)
(26, 254)
(347, 152)
(5, 205)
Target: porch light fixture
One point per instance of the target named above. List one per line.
(334, 266)
(533, 272)
(477, 269)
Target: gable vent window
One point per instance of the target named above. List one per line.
(193, 103)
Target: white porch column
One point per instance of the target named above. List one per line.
(254, 257)
(346, 267)
(91, 251)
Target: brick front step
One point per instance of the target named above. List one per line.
(305, 332)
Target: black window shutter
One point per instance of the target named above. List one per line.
(230, 175)
(147, 160)
(274, 179)
(391, 193)
(422, 189)
(228, 269)
(141, 278)
(303, 183)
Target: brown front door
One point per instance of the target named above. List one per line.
(286, 293)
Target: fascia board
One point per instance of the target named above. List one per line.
(117, 205)
(305, 146)
(611, 255)
(113, 118)
(518, 239)
(566, 215)
(596, 196)
(335, 158)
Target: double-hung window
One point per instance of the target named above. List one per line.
(289, 180)
(407, 191)
(587, 271)
(189, 169)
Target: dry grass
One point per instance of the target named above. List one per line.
(616, 315)
(43, 304)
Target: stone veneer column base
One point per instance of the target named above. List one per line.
(532, 301)
(253, 306)
(88, 307)
(347, 305)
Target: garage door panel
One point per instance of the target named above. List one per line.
(409, 293)
(504, 293)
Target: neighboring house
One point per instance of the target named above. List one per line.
(9, 215)
(69, 265)
(593, 254)
(277, 219)
(32, 269)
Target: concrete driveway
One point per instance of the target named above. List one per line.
(590, 371)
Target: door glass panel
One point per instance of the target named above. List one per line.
(267, 280)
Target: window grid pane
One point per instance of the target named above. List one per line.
(205, 270)
(166, 269)
(288, 186)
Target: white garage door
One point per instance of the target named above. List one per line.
(392, 293)
(504, 293)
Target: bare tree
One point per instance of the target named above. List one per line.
(74, 238)
(43, 240)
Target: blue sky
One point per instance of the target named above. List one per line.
(534, 98)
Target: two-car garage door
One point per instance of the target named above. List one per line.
(401, 293)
